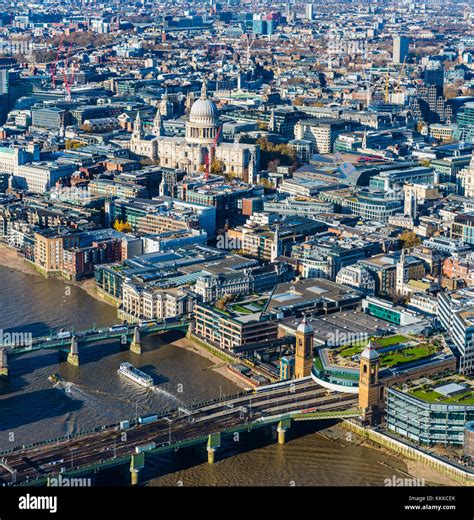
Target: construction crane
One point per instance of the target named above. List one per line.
(222, 51)
(210, 155)
(368, 82)
(401, 73)
(55, 65)
(68, 81)
(249, 46)
(387, 95)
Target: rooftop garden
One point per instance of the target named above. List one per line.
(429, 389)
(393, 351)
(229, 307)
(248, 307)
(351, 350)
(407, 355)
(318, 363)
(431, 396)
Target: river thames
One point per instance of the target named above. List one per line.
(94, 394)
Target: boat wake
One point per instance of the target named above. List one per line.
(72, 389)
(167, 394)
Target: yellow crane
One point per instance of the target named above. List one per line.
(387, 95)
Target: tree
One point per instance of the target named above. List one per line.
(86, 128)
(425, 162)
(217, 167)
(123, 227)
(72, 144)
(267, 184)
(419, 126)
(221, 303)
(409, 239)
(273, 155)
(43, 56)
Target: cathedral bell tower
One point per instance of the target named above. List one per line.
(166, 106)
(304, 349)
(158, 127)
(137, 133)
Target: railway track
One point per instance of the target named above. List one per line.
(92, 450)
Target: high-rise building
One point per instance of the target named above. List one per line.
(430, 106)
(3, 81)
(309, 11)
(456, 315)
(465, 122)
(400, 49)
(434, 77)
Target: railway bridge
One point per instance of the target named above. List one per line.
(129, 442)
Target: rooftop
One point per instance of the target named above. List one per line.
(450, 389)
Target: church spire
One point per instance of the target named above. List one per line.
(158, 128)
(402, 256)
(137, 127)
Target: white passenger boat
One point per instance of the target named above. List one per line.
(128, 370)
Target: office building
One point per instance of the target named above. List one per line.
(422, 416)
(456, 314)
(400, 49)
(321, 132)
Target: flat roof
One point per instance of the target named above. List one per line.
(450, 389)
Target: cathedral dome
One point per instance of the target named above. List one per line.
(203, 109)
(203, 125)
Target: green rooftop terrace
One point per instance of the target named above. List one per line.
(431, 396)
(428, 390)
(248, 307)
(351, 350)
(393, 350)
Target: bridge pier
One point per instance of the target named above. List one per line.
(273, 432)
(211, 454)
(3, 363)
(136, 344)
(137, 463)
(213, 442)
(73, 356)
(282, 428)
